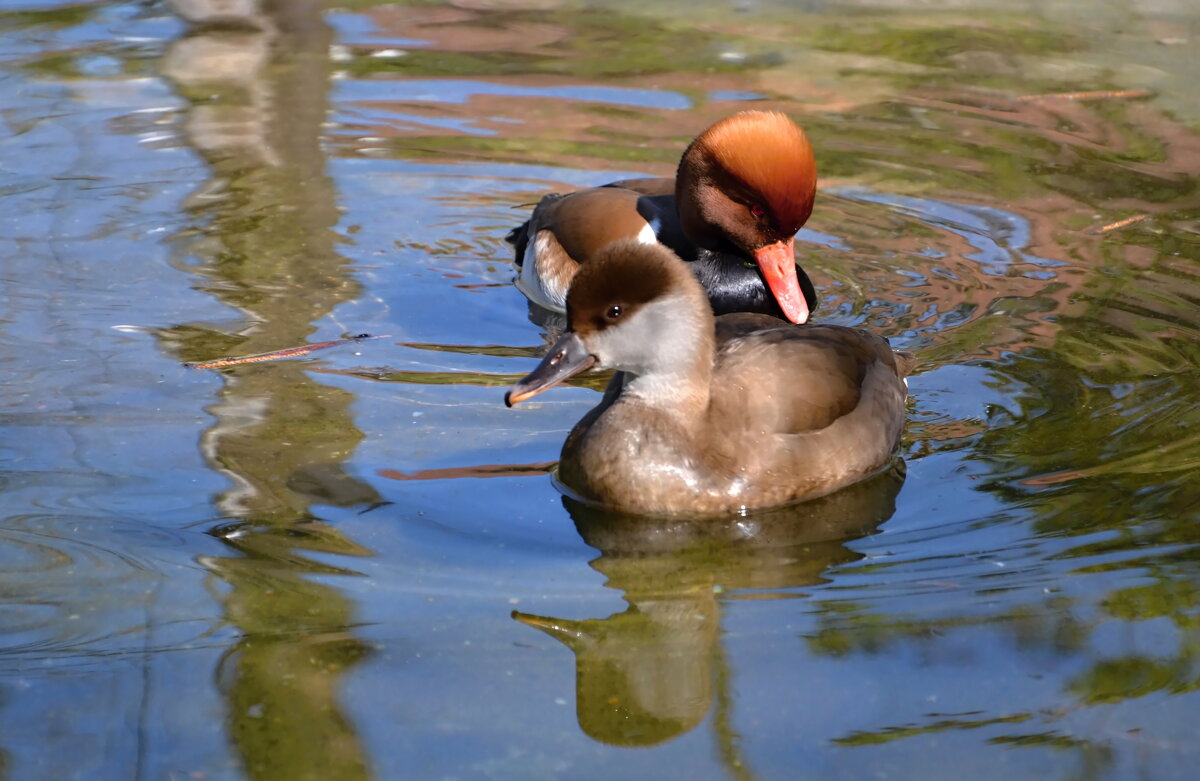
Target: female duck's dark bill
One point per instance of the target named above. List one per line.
(568, 357)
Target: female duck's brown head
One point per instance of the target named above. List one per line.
(746, 185)
(636, 308)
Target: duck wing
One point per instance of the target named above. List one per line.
(582, 222)
(787, 379)
(651, 186)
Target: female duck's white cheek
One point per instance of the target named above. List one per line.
(651, 337)
(623, 345)
(606, 349)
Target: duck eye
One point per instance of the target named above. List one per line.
(614, 312)
(757, 211)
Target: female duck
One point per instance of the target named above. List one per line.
(742, 190)
(712, 416)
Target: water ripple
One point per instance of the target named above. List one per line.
(79, 584)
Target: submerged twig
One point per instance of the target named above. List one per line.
(1095, 95)
(275, 355)
(481, 470)
(1125, 223)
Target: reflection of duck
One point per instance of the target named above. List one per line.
(709, 421)
(648, 674)
(743, 189)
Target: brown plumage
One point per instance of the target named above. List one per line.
(711, 416)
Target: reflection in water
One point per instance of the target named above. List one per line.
(258, 80)
(651, 673)
(281, 680)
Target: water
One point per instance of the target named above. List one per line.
(354, 565)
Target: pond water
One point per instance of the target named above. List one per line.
(354, 565)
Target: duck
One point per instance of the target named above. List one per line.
(712, 416)
(742, 190)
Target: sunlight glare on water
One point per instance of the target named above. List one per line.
(355, 564)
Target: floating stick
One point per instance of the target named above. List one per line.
(1097, 95)
(1112, 226)
(275, 355)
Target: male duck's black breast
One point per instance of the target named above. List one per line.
(734, 284)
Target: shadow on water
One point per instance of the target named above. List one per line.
(653, 672)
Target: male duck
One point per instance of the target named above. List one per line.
(742, 190)
(711, 416)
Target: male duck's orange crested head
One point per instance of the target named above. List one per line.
(747, 185)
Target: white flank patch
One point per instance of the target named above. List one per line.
(529, 283)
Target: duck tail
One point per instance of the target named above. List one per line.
(906, 362)
(519, 238)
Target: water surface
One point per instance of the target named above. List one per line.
(355, 565)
